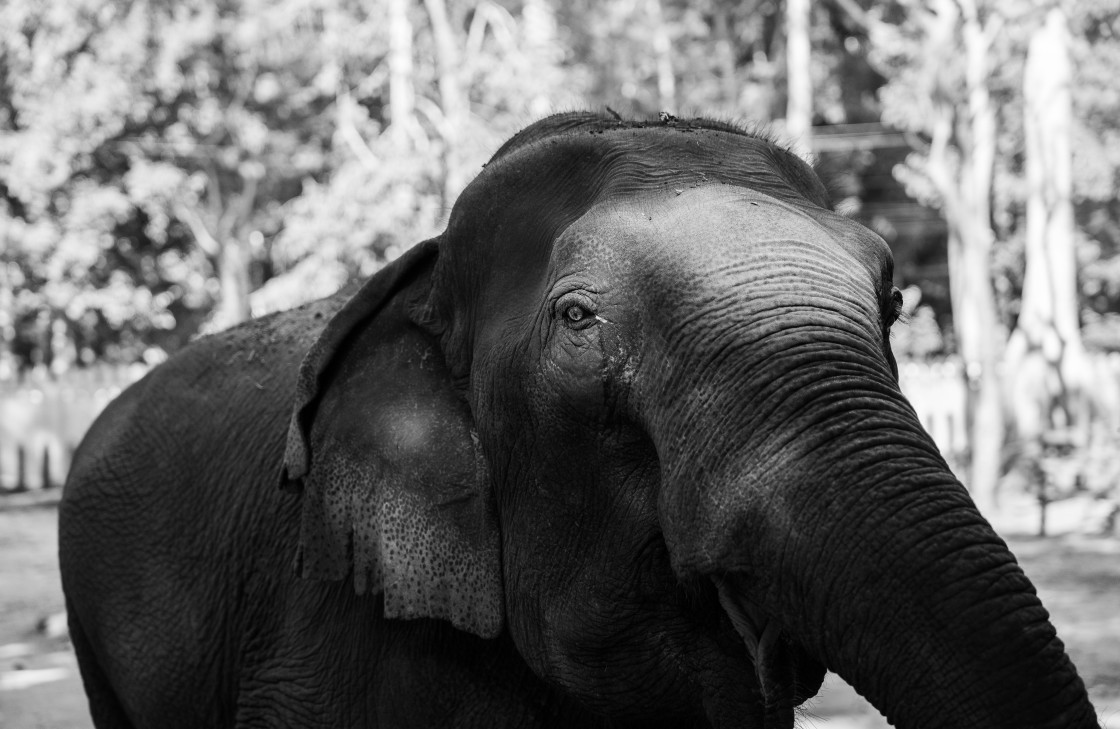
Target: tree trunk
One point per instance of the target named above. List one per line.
(221, 230)
(976, 190)
(543, 49)
(799, 79)
(402, 95)
(1048, 332)
(453, 103)
(233, 275)
(346, 110)
(7, 322)
(725, 57)
(663, 53)
(960, 164)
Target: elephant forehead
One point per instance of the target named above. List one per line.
(721, 222)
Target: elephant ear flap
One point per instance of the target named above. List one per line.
(395, 488)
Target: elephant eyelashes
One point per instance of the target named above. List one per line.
(896, 310)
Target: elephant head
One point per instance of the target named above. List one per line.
(637, 407)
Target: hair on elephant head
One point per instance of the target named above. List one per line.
(637, 407)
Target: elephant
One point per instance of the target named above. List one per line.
(622, 446)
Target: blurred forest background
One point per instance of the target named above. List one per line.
(168, 169)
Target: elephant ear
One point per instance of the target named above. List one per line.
(395, 488)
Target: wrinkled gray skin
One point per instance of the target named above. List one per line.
(623, 445)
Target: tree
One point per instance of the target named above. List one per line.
(452, 104)
(392, 176)
(799, 81)
(241, 155)
(1035, 237)
(1095, 54)
(157, 131)
(663, 52)
(939, 63)
(402, 90)
(1048, 326)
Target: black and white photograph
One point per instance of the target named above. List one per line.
(560, 364)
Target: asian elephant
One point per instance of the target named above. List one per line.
(624, 445)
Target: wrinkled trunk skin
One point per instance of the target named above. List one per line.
(818, 505)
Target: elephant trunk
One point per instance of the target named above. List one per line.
(829, 523)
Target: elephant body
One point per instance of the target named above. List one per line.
(219, 630)
(623, 446)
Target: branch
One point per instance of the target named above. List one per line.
(214, 192)
(201, 233)
(857, 15)
(239, 211)
(350, 133)
(937, 163)
(432, 112)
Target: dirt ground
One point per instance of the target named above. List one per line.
(1078, 579)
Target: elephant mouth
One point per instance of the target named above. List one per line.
(784, 672)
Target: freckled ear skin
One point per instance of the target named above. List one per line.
(395, 488)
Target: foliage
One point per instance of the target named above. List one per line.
(1096, 52)
(156, 152)
(162, 164)
(138, 141)
(1095, 33)
(917, 334)
(382, 193)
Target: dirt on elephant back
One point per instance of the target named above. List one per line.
(1078, 579)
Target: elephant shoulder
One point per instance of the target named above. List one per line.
(271, 346)
(231, 385)
(262, 353)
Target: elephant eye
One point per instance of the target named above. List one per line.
(576, 310)
(576, 314)
(897, 309)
